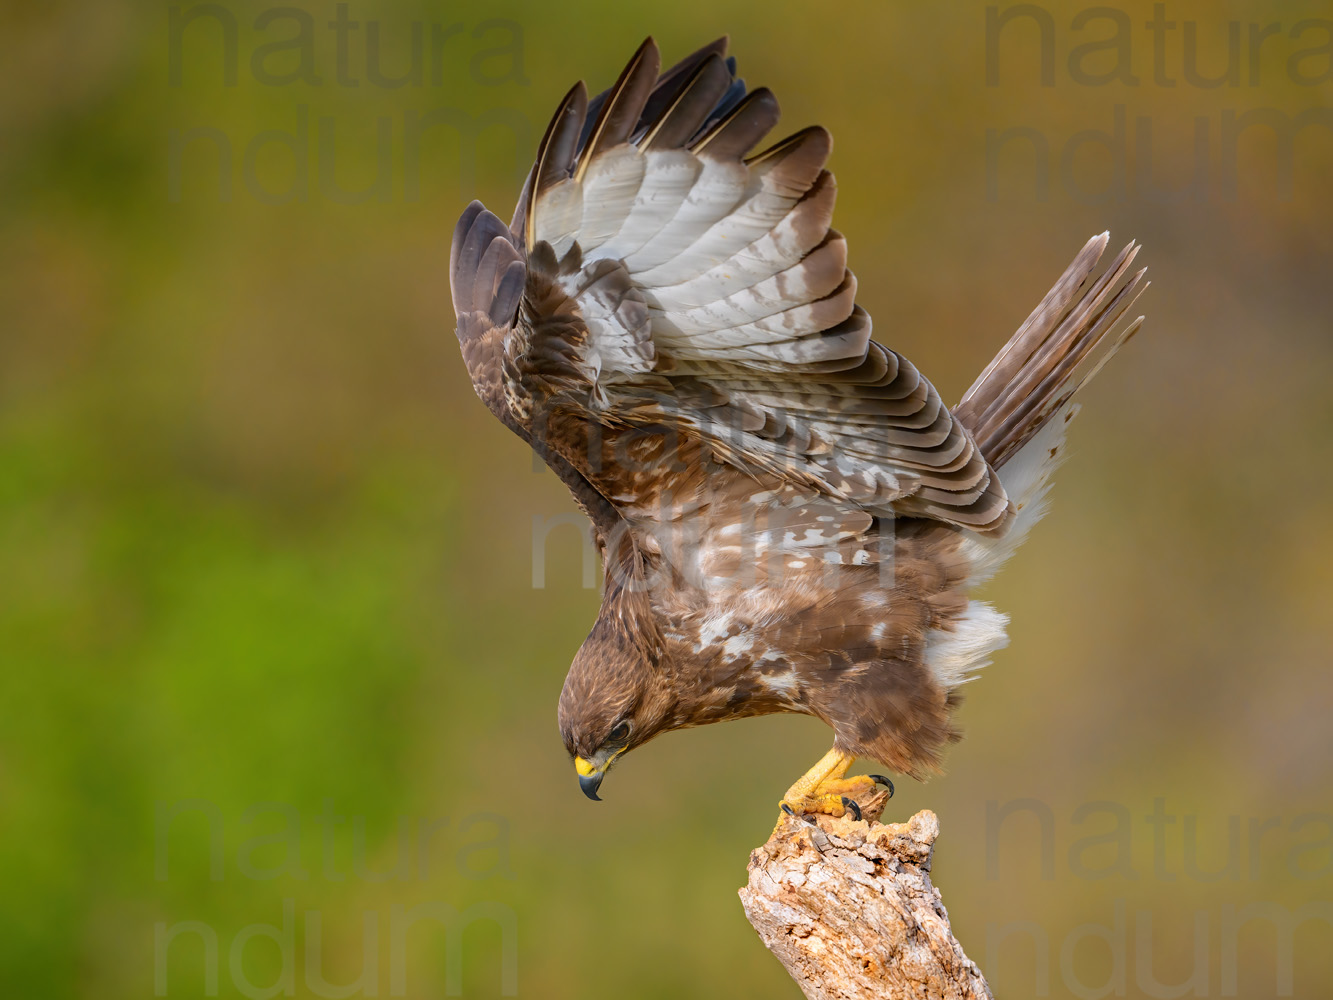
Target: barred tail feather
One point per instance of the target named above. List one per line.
(1020, 407)
(1057, 350)
(1026, 478)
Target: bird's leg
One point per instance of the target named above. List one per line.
(824, 789)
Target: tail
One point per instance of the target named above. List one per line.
(1020, 407)
(1057, 350)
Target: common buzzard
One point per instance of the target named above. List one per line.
(789, 517)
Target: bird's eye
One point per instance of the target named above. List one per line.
(619, 734)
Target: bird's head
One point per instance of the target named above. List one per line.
(614, 700)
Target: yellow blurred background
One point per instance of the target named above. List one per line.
(278, 695)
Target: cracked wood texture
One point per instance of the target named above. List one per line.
(849, 910)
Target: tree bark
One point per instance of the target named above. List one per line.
(849, 910)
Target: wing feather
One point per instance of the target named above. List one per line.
(659, 275)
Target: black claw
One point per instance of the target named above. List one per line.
(852, 808)
(788, 809)
(880, 779)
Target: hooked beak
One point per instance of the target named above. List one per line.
(590, 777)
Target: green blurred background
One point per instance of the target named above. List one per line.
(263, 552)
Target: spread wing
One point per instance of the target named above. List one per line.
(656, 274)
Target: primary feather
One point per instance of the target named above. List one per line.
(671, 322)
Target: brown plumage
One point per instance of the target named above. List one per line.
(789, 515)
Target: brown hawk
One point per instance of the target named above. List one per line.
(790, 518)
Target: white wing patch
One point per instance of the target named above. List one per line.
(782, 685)
(712, 629)
(737, 646)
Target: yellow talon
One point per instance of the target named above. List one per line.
(825, 789)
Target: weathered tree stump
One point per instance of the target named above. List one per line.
(849, 909)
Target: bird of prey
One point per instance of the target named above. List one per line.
(789, 517)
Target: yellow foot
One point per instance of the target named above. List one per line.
(825, 789)
(834, 797)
